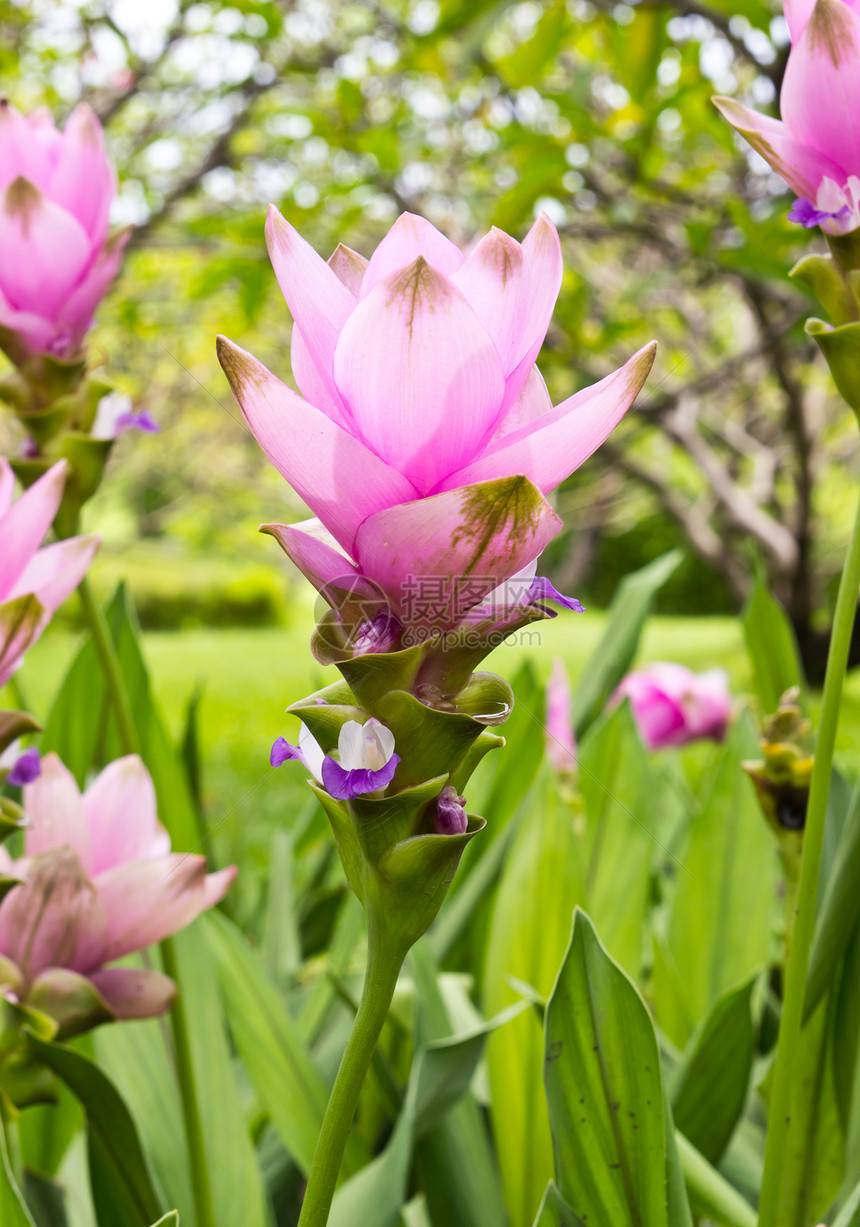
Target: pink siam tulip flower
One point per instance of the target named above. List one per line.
(34, 582)
(816, 145)
(56, 259)
(673, 706)
(560, 738)
(424, 439)
(98, 882)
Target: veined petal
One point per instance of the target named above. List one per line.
(54, 918)
(531, 405)
(440, 556)
(56, 570)
(551, 449)
(44, 250)
(318, 300)
(542, 250)
(54, 806)
(121, 813)
(76, 314)
(84, 180)
(797, 14)
(25, 523)
(349, 267)
(422, 378)
(7, 487)
(134, 992)
(340, 479)
(820, 95)
(411, 236)
(20, 152)
(801, 165)
(21, 623)
(494, 281)
(148, 900)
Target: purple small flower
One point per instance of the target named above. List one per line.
(378, 634)
(114, 416)
(542, 590)
(451, 816)
(805, 212)
(27, 769)
(366, 753)
(137, 421)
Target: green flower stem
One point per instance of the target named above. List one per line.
(204, 1206)
(791, 1025)
(121, 704)
(383, 967)
(111, 669)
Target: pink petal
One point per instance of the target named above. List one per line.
(319, 302)
(797, 14)
(820, 96)
(44, 250)
(312, 548)
(56, 812)
(348, 266)
(134, 992)
(24, 525)
(122, 816)
(410, 237)
(551, 448)
(340, 479)
(56, 570)
(20, 153)
(84, 180)
(422, 378)
(801, 165)
(438, 557)
(21, 623)
(77, 312)
(148, 900)
(542, 251)
(560, 739)
(494, 281)
(34, 333)
(55, 918)
(7, 487)
(531, 404)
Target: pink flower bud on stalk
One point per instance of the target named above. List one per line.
(34, 581)
(560, 737)
(672, 706)
(815, 147)
(97, 882)
(56, 259)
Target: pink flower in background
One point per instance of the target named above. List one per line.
(98, 882)
(56, 259)
(34, 582)
(560, 738)
(816, 145)
(672, 705)
(424, 439)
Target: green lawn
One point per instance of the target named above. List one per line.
(248, 677)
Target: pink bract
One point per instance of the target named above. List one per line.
(34, 582)
(56, 258)
(424, 439)
(673, 706)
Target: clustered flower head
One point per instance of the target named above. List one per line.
(97, 882)
(815, 147)
(424, 439)
(34, 581)
(672, 706)
(56, 258)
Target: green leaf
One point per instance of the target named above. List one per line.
(710, 1194)
(123, 1194)
(526, 942)
(46, 1199)
(772, 647)
(839, 910)
(554, 1210)
(604, 1090)
(709, 1086)
(13, 1208)
(628, 612)
(849, 1215)
(841, 349)
(169, 1220)
(723, 915)
(270, 1045)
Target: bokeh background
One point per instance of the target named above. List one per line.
(473, 114)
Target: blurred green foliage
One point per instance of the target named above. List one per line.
(344, 114)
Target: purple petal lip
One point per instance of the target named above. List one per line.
(27, 769)
(543, 590)
(805, 212)
(343, 785)
(137, 421)
(283, 752)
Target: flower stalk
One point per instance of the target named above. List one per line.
(771, 1212)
